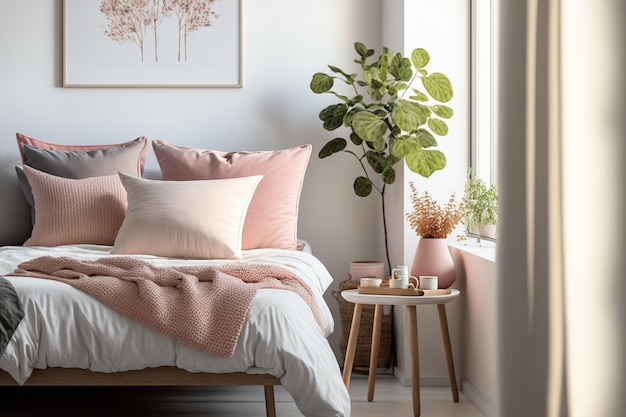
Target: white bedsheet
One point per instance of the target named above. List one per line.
(64, 327)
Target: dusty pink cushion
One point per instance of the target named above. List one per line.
(27, 140)
(272, 218)
(75, 211)
(185, 219)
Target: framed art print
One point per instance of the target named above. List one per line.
(152, 43)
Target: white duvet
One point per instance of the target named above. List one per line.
(64, 327)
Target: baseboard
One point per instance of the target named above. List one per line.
(425, 381)
(484, 403)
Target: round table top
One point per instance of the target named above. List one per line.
(353, 296)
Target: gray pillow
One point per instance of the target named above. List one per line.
(15, 223)
(80, 164)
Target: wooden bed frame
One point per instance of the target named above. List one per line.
(162, 376)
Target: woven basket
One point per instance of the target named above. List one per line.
(364, 341)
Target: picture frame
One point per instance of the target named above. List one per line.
(164, 43)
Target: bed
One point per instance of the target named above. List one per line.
(69, 337)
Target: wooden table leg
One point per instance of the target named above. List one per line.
(371, 381)
(351, 348)
(270, 402)
(415, 359)
(443, 321)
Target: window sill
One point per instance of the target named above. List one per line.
(485, 249)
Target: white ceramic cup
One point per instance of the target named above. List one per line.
(370, 282)
(428, 282)
(399, 278)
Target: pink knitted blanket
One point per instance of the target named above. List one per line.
(202, 306)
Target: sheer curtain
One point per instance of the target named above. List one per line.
(562, 175)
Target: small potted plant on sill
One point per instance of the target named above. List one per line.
(433, 223)
(481, 217)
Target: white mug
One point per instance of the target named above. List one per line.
(400, 279)
(428, 282)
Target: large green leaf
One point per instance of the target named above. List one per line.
(362, 50)
(332, 116)
(438, 126)
(424, 161)
(438, 86)
(370, 74)
(419, 96)
(362, 186)
(379, 144)
(425, 138)
(376, 94)
(392, 160)
(420, 58)
(401, 68)
(347, 118)
(333, 146)
(422, 112)
(383, 66)
(355, 139)
(442, 111)
(389, 175)
(368, 126)
(356, 100)
(377, 161)
(405, 145)
(406, 115)
(321, 83)
(400, 86)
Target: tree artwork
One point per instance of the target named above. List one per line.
(192, 15)
(129, 20)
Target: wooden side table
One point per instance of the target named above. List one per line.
(411, 303)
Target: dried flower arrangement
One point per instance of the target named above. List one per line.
(429, 219)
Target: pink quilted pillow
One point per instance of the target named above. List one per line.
(27, 140)
(75, 211)
(272, 217)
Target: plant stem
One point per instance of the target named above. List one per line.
(382, 198)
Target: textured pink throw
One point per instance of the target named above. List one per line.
(202, 306)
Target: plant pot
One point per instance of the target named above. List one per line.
(487, 230)
(432, 257)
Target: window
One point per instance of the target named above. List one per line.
(484, 146)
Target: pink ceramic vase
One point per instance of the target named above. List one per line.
(432, 257)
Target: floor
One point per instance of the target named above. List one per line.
(391, 399)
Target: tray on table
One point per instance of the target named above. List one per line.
(386, 290)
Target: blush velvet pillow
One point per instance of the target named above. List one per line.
(185, 219)
(272, 217)
(75, 211)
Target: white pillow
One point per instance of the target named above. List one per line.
(185, 219)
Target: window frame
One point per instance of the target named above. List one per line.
(483, 143)
(483, 147)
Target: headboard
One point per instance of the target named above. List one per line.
(15, 222)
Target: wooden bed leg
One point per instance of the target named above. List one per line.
(270, 405)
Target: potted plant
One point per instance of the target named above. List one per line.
(387, 116)
(482, 206)
(433, 222)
